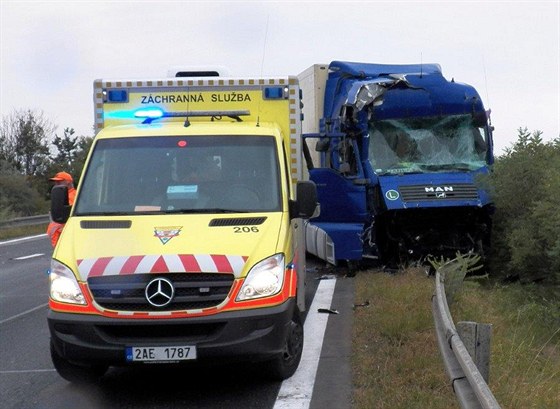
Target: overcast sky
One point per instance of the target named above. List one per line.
(51, 51)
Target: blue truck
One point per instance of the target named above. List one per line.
(398, 150)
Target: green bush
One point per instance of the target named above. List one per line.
(525, 183)
(17, 196)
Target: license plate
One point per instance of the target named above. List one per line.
(160, 354)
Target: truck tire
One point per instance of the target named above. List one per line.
(286, 364)
(76, 373)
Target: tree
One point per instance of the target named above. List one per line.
(66, 148)
(71, 153)
(526, 186)
(24, 138)
(17, 196)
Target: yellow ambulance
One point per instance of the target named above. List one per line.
(185, 242)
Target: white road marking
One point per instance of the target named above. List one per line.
(28, 371)
(21, 314)
(295, 392)
(30, 256)
(22, 239)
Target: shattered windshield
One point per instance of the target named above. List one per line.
(432, 144)
(172, 174)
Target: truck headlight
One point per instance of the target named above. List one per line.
(63, 285)
(265, 279)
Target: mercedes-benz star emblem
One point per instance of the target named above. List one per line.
(159, 292)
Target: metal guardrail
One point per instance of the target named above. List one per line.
(25, 221)
(469, 385)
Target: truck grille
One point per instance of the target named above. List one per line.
(192, 291)
(459, 191)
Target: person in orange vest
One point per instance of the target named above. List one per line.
(61, 178)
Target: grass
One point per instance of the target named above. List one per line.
(525, 350)
(14, 232)
(396, 361)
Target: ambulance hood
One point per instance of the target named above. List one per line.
(165, 244)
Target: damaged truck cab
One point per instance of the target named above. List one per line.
(399, 151)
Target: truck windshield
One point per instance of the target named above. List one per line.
(194, 174)
(432, 144)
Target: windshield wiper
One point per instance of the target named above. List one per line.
(120, 213)
(399, 171)
(447, 166)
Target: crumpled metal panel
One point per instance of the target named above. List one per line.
(363, 93)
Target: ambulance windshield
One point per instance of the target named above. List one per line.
(194, 174)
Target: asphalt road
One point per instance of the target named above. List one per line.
(28, 379)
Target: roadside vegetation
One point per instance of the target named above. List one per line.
(31, 151)
(24, 231)
(525, 185)
(396, 361)
(525, 348)
(395, 358)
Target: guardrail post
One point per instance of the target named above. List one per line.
(476, 338)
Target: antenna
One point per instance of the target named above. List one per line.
(187, 122)
(262, 65)
(486, 87)
(264, 44)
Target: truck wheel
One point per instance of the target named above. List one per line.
(76, 373)
(286, 364)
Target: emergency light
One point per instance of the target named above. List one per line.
(117, 95)
(275, 92)
(150, 113)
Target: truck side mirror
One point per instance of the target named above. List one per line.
(60, 209)
(306, 200)
(322, 145)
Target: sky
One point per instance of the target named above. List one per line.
(51, 51)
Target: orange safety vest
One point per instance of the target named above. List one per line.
(54, 229)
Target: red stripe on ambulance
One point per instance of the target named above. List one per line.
(168, 263)
(159, 266)
(131, 264)
(99, 266)
(189, 262)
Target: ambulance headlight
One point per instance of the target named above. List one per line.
(265, 279)
(63, 285)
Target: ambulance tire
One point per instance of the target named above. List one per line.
(80, 374)
(286, 364)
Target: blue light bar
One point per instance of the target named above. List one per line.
(273, 93)
(115, 95)
(149, 113)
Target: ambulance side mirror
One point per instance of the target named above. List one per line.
(60, 209)
(306, 200)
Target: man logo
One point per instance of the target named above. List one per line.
(437, 189)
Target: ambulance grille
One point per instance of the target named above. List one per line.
(105, 224)
(238, 221)
(192, 291)
(458, 191)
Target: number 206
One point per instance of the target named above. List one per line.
(246, 229)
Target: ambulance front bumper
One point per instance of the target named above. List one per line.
(247, 335)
